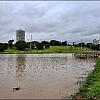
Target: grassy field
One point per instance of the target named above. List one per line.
(90, 89)
(52, 49)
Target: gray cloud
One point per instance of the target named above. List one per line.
(46, 20)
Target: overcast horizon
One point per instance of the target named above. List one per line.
(48, 20)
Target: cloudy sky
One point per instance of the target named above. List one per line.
(46, 20)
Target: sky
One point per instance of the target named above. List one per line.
(71, 21)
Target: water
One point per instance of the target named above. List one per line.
(41, 76)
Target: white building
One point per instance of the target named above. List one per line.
(20, 35)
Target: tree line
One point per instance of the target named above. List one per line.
(36, 45)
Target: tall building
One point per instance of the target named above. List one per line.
(20, 35)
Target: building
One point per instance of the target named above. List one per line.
(20, 35)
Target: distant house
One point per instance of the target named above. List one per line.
(20, 35)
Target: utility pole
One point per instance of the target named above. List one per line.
(99, 42)
(81, 44)
(31, 43)
(34, 45)
(73, 44)
(67, 43)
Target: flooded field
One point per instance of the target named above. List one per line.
(41, 76)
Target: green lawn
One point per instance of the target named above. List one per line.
(52, 49)
(90, 89)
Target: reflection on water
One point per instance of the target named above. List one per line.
(41, 76)
(20, 66)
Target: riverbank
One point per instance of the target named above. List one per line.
(90, 89)
(52, 49)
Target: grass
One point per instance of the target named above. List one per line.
(90, 89)
(52, 49)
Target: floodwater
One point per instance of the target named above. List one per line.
(41, 76)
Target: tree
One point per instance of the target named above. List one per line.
(21, 45)
(45, 44)
(64, 43)
(89, 45)
(55, 43)
(34, 44)
(40, 46)
(82, 44)
(28, 45)
(10, 45)
(3, 46)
